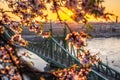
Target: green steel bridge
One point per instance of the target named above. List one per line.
(57, 52)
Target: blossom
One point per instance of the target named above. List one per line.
(19, 40)
(1, 29)
(73, 73)
(16, 27)
(8, 68)
(71, 3)
(46, 34)
(5, 19)
(87, 59)
(35, 27)
(2, 51)
(77, 39)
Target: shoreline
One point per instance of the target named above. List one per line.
(96, 30)
(105, 35)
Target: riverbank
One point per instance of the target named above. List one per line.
(104, 35)
(96, 29)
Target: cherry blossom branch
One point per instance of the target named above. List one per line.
(13, 62)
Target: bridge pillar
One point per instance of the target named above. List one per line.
(51, 47)
(51, 28)
(64, 35)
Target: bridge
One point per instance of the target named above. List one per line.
(57, 52)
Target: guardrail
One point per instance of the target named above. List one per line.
(51, 51)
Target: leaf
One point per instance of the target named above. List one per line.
(96, 13)
(100, 1)
(91, 3)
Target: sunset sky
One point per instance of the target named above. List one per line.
(112, 6)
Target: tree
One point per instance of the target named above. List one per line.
(28, 11)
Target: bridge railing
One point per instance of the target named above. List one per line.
(100, 67)
(51, 51)
(93, 75)
(107, 70)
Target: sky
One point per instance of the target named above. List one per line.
(112, 6)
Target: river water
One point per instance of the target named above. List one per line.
(109, 49)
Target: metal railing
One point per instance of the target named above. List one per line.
(54, 53)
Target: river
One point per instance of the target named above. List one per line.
(108, 48)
